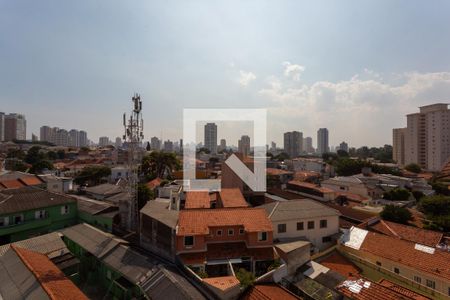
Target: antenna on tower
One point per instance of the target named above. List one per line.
(134, 134)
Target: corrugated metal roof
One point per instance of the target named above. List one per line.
(17, 281)
(49, 244)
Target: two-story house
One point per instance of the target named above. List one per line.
(213, 240)
(28, 212)
(303, 219)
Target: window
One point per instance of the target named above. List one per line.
(65, 209)
(188, 241)
(396, 271)
(4, 221)
(300, 226)
(310, 224)
(219, 232)
(18, 219)
(323, 224)
(262, 236)
(281, 228)
(431, 284)
(326, 239)
(230, 231)
(39, 214)
(241, 231)
(378, 263)
(417, 279)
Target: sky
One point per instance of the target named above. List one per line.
(355, 67)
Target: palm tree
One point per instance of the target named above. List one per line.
(159, 164)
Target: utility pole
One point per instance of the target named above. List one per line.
(134, 134)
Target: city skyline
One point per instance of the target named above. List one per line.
(322, 76)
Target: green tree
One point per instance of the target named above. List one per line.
(397, 194)
(40, 166)
(396, 214)
(148, 148)
(245, 278)
(418, 195)
(437, 210)
(415, 168)
(61, 154)
(144, 195)
(348, 167)
(159, 164)
(34, 155)
(51, 155)
(15, 153)
(92, 175)
(282, 156)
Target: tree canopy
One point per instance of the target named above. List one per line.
(92, 175)
(396, 214)
(397, 194)
(415, 168)
(160, 164)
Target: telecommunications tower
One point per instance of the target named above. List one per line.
(134, 134)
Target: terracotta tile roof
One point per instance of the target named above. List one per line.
(30, 180)
(402, 290)
(198, 221)
(311, 186)
(340, 264)
(373, 291)
(269, 292)
(197, 199)
(222, 283)
(437, 264)
(350, 213)
(232, 197)
(277, 172)
(409, 233)
(52, 280)
(218, 251)
(154, 183)
(352, 196)
(11, 184)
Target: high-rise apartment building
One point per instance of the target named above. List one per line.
(62, 138)
(155, 143)
(343, 146)
(211, 137)
(223, 145)
(118, 142)
(307, 145)
(427, 137)
(2, 126)
(322, 141)
(74, 138)
(45, 134)
(15, 127)
(103, 141)
(244, 145)
(82, 139)
(293, 143)
(168, 146)
(398, 145)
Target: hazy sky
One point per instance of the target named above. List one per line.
(355, 67)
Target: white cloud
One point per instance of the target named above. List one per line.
(246, 77)
(359, 111)
(293, 71)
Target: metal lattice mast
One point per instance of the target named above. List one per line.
(134, 134)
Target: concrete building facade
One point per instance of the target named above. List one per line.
(15, 127)
(211, 137)
(293, 143)
(398, 145)
(427, 137)
(322, 141)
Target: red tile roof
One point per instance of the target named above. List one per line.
(269, 292)
(11, 184)
(232, 197)
(277, 172)
(30, 180)
(197, 199)
(311, 186)
(340, 264)
(218, 251)
(52, 280)
(374, 291)
(437, 264)
(198, 221)
(222, 283)
(402, 290)
(352, 196)
(409, 233)
(154, 183)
